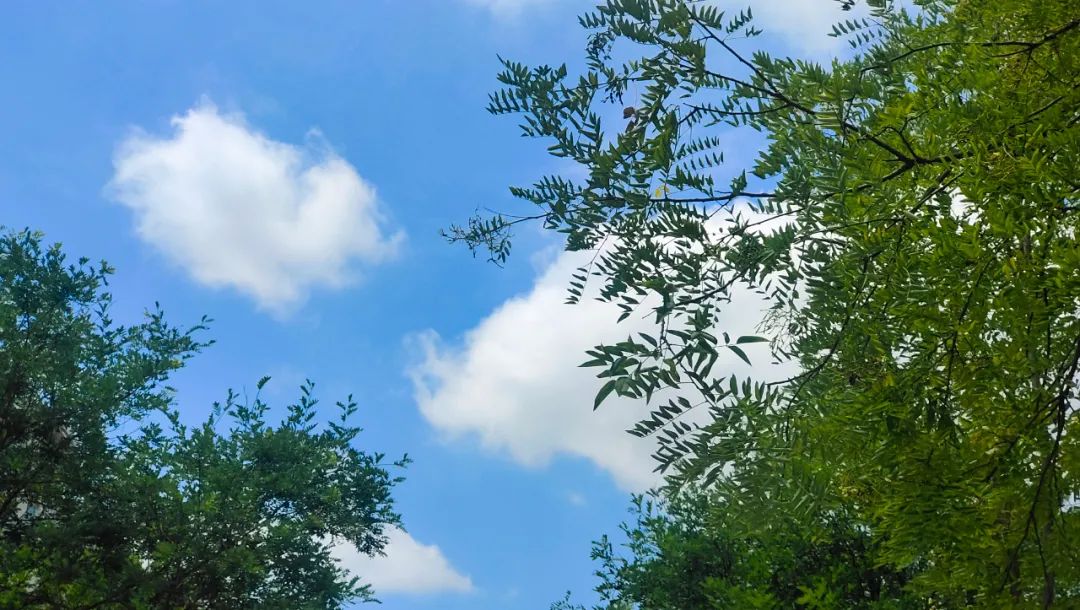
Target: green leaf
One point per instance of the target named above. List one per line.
(606, 389)
(739, 352)
(750, 339)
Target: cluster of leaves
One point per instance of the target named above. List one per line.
(108, 501)
(688, 553)
(912, 217)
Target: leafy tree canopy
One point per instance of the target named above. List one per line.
(107, 500)
(912, 217)
(690, 554)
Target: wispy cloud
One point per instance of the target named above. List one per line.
(576, 499)
(512, 8)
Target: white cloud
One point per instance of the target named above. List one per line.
(237, 209)
(516, 386)
(409, 567)
(804, 25)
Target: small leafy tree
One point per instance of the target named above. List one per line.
(912, 216)
(107, 500)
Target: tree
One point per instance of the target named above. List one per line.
(688, 553)
(107, 500)
(912, 216)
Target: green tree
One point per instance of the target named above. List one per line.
(912, 216)
(107, 500)
(688, 553)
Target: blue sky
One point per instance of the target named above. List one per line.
(285, 169)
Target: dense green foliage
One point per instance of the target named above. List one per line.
(108, 501)
(912, 216)
(690, 555)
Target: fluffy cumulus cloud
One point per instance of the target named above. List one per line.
(514, 383)
(237, 209)
(408, 567)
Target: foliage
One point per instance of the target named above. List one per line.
(107, 500)
(689, 554)
(911, 215)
